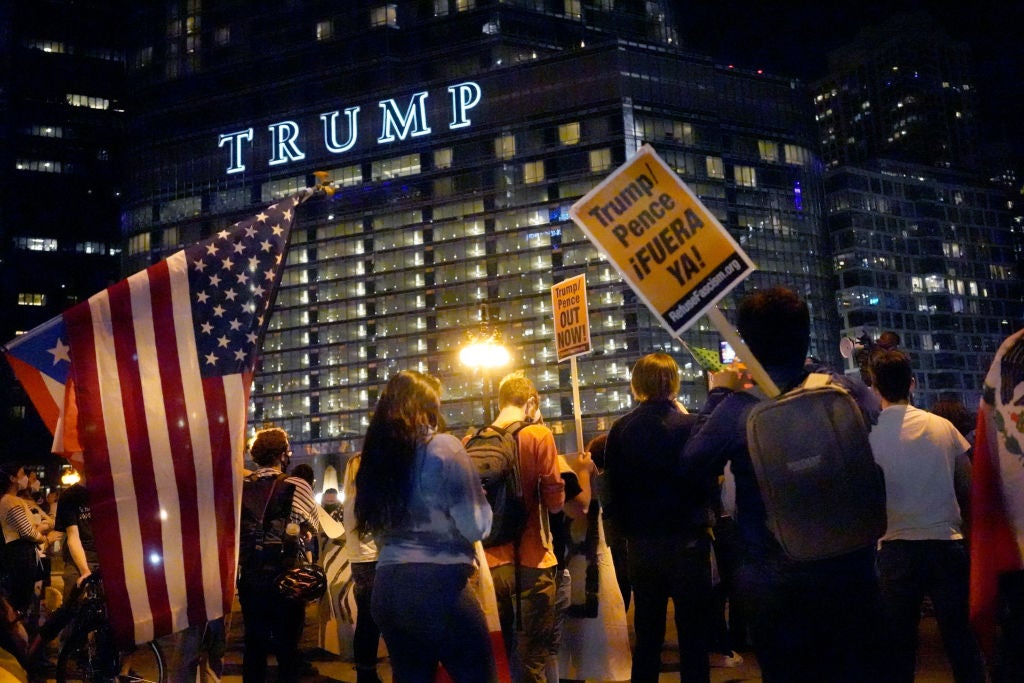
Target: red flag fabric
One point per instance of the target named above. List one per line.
(997, 496)
(161, 366)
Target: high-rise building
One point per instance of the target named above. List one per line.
(923, 243)
(61, 83)
(901, 90)
(931, 255)
(458, 134)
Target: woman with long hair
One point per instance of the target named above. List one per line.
(18, 556)
(419, 495)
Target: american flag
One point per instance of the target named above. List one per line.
(150, 380)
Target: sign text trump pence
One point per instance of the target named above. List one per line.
(572, 322)
(672, 251)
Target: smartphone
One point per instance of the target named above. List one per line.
(726, 353)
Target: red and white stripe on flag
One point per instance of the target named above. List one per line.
(164, 454)
(162, 365)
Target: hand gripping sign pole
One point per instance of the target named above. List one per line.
(671, 250)
(572, 335)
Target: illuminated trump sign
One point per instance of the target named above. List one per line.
(341, 128)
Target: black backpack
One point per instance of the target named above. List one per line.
(495, 452)
(266, 507)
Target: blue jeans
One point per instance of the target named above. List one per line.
(677, 567)
(366, 639)
(910, 570)
(812, 621)
(429, 616)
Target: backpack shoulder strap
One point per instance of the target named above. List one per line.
(517, 426)
(817, 379)
(273, 489)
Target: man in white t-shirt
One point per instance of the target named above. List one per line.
(923, 550)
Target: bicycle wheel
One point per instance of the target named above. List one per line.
(89, 656)
(144, 664)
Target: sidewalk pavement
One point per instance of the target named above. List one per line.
(932, 665)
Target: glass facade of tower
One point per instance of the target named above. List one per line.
(61, 85)
(923, 244)
(458, 137)
(931, 256)
(903, 90)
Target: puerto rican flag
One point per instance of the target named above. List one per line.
(997, 496)
(149, 382)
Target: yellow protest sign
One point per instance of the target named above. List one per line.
(572, 321)
(664, 242)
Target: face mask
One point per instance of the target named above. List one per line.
(22, 483)
(331, 507)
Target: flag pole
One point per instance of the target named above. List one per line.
(577, 415)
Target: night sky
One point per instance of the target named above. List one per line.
(793, 38)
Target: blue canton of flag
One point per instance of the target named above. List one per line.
(231, 280)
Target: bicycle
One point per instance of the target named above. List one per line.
(89, 653)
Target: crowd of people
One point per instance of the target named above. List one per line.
(666, 505)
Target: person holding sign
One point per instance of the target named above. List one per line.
(810, 620)
(665, 518)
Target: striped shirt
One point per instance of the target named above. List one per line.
(303, 503)
(15, 520)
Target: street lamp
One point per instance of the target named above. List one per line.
(483, 352)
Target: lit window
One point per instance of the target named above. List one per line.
(569, 133)
(396, 167)
(47, 46)
(768, 150)
(347, 176)
(46, 131)
(37, 243)
(440, 8)
(533, 172)
(505, 146)
(86, 101)
(683, 132)
(443, 157)
(324, 29)
(90, 247)
(31, 299)
(171, 237)
(795, 154)
(573, 9)
(39, 165)
(715, 167)
(463, 5)
(600, 160)
(138, 244)
(385, 15)
(745, 176)
(274, 189)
